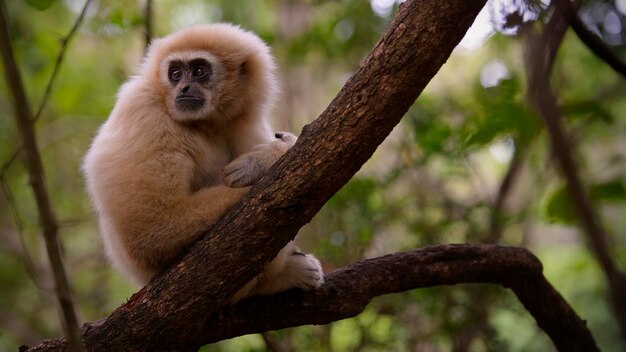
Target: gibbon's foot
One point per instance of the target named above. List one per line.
(305, 271)
(291, 269)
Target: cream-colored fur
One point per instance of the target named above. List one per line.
(159, 176)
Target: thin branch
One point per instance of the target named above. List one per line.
(597, 46)
(24, 120)
(148, 14)
(21, 250)
(495, 221)
(7, 164)
(47, 92)
(270, 344)
(592, 41)
(514, 268)
(12, 205)
(540, 54)
(57, 65)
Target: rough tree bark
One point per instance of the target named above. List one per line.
(179, 308)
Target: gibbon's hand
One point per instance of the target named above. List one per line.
(248, 168)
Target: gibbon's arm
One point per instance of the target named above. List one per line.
(180, 225)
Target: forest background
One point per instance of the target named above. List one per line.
(470, 162)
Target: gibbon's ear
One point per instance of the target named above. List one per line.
(244, 69)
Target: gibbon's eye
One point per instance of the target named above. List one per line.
(176, 74)
(200, 69)
(200, 72)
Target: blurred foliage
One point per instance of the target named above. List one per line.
(433, 181)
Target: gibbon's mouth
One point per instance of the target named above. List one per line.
(189, 102)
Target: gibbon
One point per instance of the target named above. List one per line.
(187, 137)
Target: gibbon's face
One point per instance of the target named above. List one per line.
(189, 79)
(192, 83)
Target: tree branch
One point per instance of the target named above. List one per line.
(514, 268)
(59, 61)
(47, 92)
(23, 117)
(540, 54)
(592, 41)
(506, 185)
(148, 14)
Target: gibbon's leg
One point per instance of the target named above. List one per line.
(290, 269)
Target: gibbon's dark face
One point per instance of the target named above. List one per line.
(190, 80)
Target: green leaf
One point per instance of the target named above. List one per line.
(431, 132)
(431, 137)
(614, 190)
(587, 108)
(40, 4)
(556, 207)
(486, 132)
(502, 112)
(117, 18)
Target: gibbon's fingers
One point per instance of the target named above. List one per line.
(246, 170)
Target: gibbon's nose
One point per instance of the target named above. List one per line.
(185, 89)
(278, 135)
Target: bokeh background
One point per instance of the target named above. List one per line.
(437, 178)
